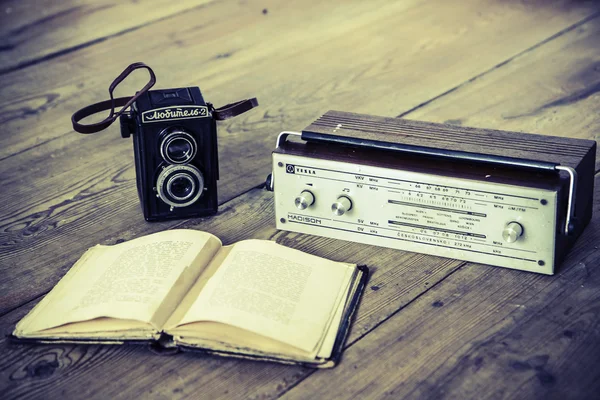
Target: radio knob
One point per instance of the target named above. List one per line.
(342, 205)
(512, 232)
(304, 200)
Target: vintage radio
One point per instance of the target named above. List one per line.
(508, 199)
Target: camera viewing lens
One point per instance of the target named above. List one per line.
(179, 150)
(180, 185)
(178, 147)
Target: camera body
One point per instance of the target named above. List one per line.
(176, 155)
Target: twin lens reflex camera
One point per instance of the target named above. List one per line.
(175, 145)
(175, 148)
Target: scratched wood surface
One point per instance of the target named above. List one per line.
(325, 57)
(36, 31)
(428, 327)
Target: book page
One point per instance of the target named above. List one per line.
(102, 327)
(126, 281)
(185, 281)
(326, 348)
(192, 295)
(274, 291)
(224, 337)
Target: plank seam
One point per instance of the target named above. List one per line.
(349, 345)
(503, 63)
(34, 146)
(2, 314)
(80, 46)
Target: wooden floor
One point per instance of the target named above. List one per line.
(427, 327)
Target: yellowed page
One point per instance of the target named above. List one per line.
(219, 336)
(126, 281)
(191, 296)
(222, 337)
(100, 327)
(185, 281)
(326, 347)
(274, 291)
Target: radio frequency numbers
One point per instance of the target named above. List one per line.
(423, 193)
(417, 186)
(436, 194)
(434, 190)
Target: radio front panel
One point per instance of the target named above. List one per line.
(485, 222)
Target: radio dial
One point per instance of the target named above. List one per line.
(305, 200)
(342, 205)
(512, 232)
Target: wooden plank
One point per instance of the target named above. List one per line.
(34, 31)
(561, 98)
(483, 332)
(80, 190)
(82, 371)
(224, 48)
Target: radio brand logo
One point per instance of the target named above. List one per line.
(174, 113)
(294, 169)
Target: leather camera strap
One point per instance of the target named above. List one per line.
(124, 102)
(233, 109)
(221, 113)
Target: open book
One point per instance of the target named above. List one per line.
(183, 288)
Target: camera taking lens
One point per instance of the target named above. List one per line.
(180, 185)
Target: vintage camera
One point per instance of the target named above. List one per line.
(174, 142)
(175, 148)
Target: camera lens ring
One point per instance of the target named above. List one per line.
(168, 178)
(172, 184)
(170, 139)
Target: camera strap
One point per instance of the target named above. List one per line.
(233, 109)
(221, 113)
(123, 102)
